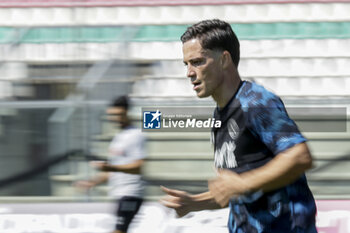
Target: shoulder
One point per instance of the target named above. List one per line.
(262, 107)
(254, 95)
(134, 132)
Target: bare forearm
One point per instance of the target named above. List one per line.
(122, 168)
(183, 202)
(205, 201)
(132, 168)
(284, 169)
(100, 178)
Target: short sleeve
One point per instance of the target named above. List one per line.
(136, 148)
(267, 118)
(269, 121)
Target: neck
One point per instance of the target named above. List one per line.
(229, 88)
(125, 125)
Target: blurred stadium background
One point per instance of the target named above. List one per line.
(62, 62)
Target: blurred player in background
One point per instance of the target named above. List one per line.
(123, 169)
(260, 154)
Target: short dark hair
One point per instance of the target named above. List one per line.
(214, 34)
(121, 101)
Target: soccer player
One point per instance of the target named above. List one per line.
(260, 155)
(123, 170)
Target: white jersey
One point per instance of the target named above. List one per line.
(125, 148)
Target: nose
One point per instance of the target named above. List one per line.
(190, 72)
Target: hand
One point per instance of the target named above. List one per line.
(226, 185)
(84, 184)
(181, 201)
(99, 165)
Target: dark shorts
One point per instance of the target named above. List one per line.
(127, 209)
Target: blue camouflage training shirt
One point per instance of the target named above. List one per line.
(255, 128)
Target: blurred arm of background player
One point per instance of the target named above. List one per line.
(131, 168)
(105, 168)
(285, 168)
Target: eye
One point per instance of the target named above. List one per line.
(197, 62)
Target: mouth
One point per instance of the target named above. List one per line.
(195, 85)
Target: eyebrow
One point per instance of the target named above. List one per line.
(193, 59)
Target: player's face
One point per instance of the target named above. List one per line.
(118, 115)
(203, 67)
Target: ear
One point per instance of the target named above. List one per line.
(225, 59)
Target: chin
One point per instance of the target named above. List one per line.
(202, 95)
